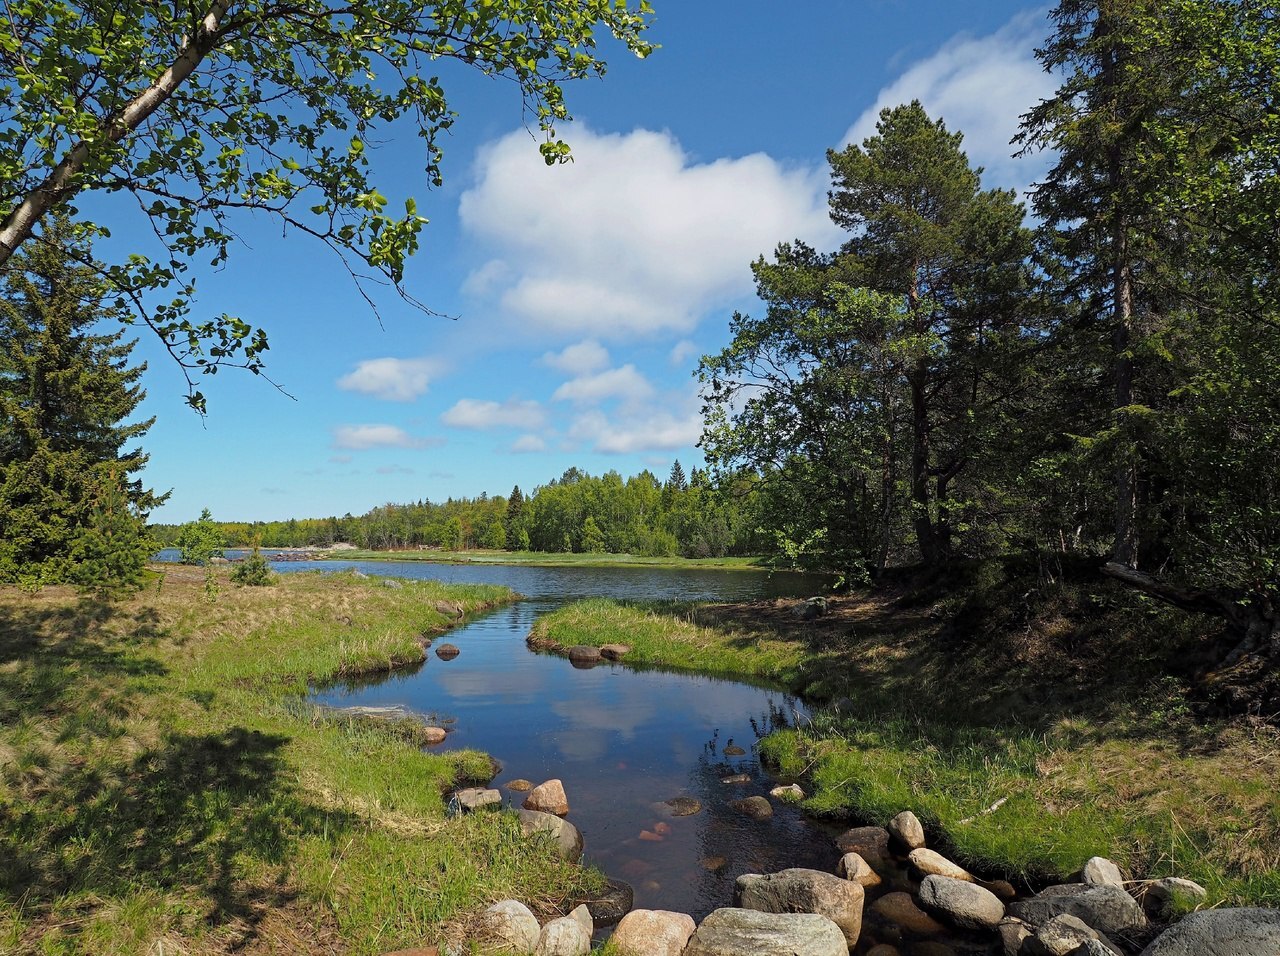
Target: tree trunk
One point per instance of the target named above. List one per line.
(921, 517)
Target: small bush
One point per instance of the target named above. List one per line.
(253, 570)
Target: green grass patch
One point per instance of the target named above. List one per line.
(1030, 724)
(164, 784)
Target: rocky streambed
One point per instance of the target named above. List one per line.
(888, 895)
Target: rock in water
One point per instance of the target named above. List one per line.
(790, 793)
(736, 778)
(962, 904)
(653, 933)
(683, 806)
(519, 784)
(901, 909)
(474, 798)
(853, 867)
(563, 937)
(613, 903)
(868, 842)
(930, 863)
(433, 735)
(805, 891)
(1250, 931)
(584, 654)
(757, 808)
(548, 797)
(566, 836)
(447, 652)
(510, 925)
(1108, 909)
(737, 932)
(906, 829)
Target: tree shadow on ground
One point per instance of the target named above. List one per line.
(203, 813)
(51, 653)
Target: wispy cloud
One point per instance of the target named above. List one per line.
(362, 437)
(478, 414)
(625, 383)
(392, 379)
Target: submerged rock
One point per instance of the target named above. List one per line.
(519, 784)
(868, 842)
(447, 652)
(736, 778)
(683, 806)
(653, 933)
(737, 932)
(901, 909)
(733, 750)
(584, 654)
(757, 808)
(805, 891)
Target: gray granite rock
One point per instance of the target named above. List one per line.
(567, 837)
(1108, 909)
(510, 926)
(805, 891)
(1250, 931)
(906, 829)
(961, 903)
(653, 933)
(741, 932)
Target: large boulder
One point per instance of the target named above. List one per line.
(907, 830)
(1250, 931)
(961, 903)
(548, 797)
(509, 926)
(1013, 933)
(740, 932)
(805, 891)
(567, 837)
(653, 933)
(1108, 909)
(584, 654)
(563, 937)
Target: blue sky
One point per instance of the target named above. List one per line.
(582, 295)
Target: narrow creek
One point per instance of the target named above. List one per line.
(622, 739)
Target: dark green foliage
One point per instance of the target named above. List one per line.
(66, 394)
(253, 570)
(200, 541)
(110, 552)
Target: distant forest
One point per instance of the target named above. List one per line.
(576, 512)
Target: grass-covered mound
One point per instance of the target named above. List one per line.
(1066, 705)
(164, 784)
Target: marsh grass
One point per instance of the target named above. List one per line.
(1064, 706)
(164, 786)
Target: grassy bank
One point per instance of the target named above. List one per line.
(1062, 706)
(164, 786)
(551, 559)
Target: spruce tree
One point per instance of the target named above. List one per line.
(517, 538)
(66, 393)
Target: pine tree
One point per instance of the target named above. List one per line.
(66, 394)
(513, 522)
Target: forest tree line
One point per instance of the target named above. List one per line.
(577, 512)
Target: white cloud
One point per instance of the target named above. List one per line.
(587, 356)
(393, 379)
(632, 237)
(682, 352)
(979, 86)
(654, 431)
(625, 383)
(475, 413)
(360, 437)
(528, 443)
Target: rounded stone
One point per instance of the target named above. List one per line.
(901, 909)
(563, 937)
(520, 784)
(853, 867)
(510, 925)
(800, 890)
(1099, 871)
(584, 654)
(907, 830)
(431, 736)
(653, 933)
(615, 652)
(447, 652)
(613, 903)
(790, 793)
(960, 903)
(548, 797)
(736, 778)
(867, 842)
(567, 837)
(736, 932)
(929, 863)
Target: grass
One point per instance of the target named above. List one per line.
(1062, 705)
(165, 787)
(552, 559)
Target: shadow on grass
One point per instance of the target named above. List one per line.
(50, 654)
(205, 813)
